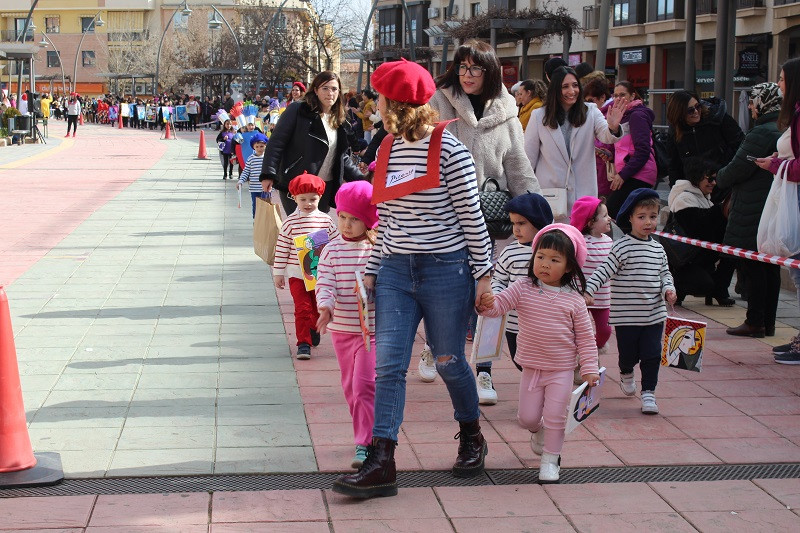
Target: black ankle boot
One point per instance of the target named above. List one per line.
(472, 449)
(377, 475)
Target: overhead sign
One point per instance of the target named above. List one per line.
(634, 56)
(749, 62)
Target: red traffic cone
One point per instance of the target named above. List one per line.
(18, 465)
(167, 134)
(120, 122)
(80, 119)
(201, 152)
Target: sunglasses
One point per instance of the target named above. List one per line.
(694, 109)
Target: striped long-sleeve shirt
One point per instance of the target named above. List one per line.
(336, 281)
(444, 219)
(296, 225)
(554, 326)
(251, 172)
(511, 266)
(639, 279)
(597, 249)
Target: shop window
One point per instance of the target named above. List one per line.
(52, 24)
(52, 59)
(88, 58)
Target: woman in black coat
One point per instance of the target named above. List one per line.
(311, 136)
(749, 186)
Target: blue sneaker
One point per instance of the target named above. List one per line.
(361, 456)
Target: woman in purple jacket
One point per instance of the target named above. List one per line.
(633, 155)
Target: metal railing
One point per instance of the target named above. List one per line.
(709, 7)
(12, 35)
(785, 2)
(127, 36)
(591, 17)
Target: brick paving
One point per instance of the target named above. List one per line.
(151, 341)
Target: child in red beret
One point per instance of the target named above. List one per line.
(306, 189)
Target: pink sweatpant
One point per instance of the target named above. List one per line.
(602, 331)
(545, 394)
(357, 366)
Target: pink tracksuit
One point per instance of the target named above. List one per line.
(336, 291)
(554, 329)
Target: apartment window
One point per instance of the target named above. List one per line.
(622, 12)
(475, 9)
(707, 57)
(665, 10)
(510, 5)
(52, 59)
(87, 24)
(88, 59)
(389, 21)
(19, 27)
(52, 24)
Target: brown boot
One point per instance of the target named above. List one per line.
(471, 450)
(746, 330)
(377, 475)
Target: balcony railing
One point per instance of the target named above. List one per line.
(591, 17)
(11, 35)
(785, 2)
(709, 7)
(127, 36)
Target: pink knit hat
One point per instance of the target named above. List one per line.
(583, 211)
(574, 235)
(355, 198)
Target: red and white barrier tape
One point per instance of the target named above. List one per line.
(730, 250)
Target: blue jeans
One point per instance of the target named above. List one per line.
(436, 288)
(253, 196)
(795, 273)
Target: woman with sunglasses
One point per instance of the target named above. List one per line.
(700, 129)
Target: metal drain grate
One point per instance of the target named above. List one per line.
(261, 482)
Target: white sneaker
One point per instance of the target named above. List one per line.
(628, 384)
(549, 468)
(537, 441)
(486, 393)
(649, 405)
(427, 366)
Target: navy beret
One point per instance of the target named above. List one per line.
(533, 207)
(636, 196)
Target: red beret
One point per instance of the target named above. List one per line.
(306, 183)
(403, 81)
(300, 85)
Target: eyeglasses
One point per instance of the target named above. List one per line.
(475, 71)
(328, 89)
(694, 109)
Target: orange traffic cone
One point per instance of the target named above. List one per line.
(80, 119)
(167, 134)
(201, 153)
(18, 465)
(120, 122)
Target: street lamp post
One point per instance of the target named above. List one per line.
(214, 24)
(44, 43)
(96, 21)
(21, 38)
(186, 11)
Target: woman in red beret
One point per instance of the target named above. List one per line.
(432, 246)
(311, 136)
(298, 92)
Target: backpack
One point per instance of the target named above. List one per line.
(661, 153)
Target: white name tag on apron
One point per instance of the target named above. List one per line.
(401, 176)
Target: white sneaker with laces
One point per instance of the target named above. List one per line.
(427, 366)
(628, 384)
(486, 393)
(649, 405)
(549, 468)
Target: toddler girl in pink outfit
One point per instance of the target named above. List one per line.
(339, 308)
(554, 329)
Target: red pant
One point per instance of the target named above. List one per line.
(602, 329)
(305, 310)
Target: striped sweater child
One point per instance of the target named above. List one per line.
(511, 266)
(298, 224)
(639, 278)
(597, 249)
(444, 219)
(336, 283)
(251, 172)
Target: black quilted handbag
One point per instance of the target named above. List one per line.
(493, 202)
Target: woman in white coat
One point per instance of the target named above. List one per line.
(559, 139)
(472, 91)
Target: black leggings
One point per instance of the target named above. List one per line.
(226, 164)
(192, 122)
(72, 120)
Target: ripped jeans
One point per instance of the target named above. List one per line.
(436, 288)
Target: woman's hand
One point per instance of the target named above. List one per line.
(616, 183)
(266, 186)
(324, 319)
(614, 115)
(369, 286)
(484, 286)
(591, 379)
(765, 162)
(589, 299)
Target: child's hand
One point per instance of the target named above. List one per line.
(589, 299)
(671, 297)
(280, 281)
(487, 301)
(324, 319)
(237, 185)
(591, 379)
(369, 286)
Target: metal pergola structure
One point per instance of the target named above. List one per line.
(19, 52)
(116, 76)
(211, 78)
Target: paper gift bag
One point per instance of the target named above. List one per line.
(266, 226)
(682, 343)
